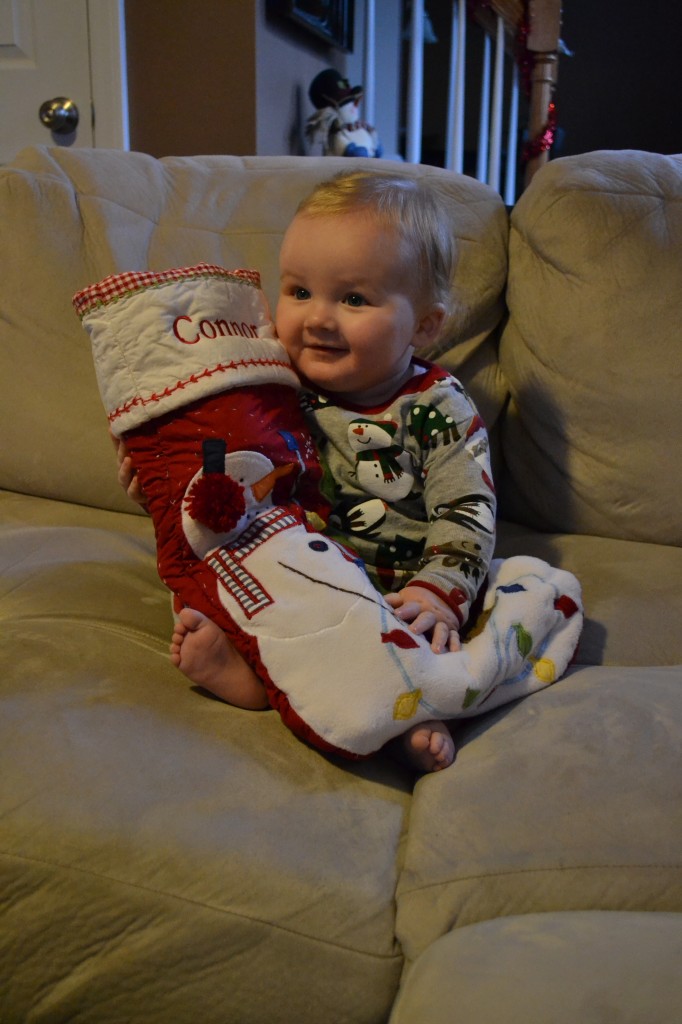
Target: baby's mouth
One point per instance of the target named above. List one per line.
(317, 347)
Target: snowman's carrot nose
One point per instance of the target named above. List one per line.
(262, 487)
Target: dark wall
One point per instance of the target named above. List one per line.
(622, 88)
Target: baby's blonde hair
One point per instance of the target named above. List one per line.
(409, 206)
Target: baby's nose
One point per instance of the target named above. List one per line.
(320, 315)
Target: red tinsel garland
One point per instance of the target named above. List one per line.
(525, 60)
(544, 140)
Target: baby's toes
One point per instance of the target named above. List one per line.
(436, 744)
(420, 740)
(445, 754)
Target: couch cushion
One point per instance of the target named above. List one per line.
(70, 217)
(632, 593)
(160, 851)
(568, 800)
(592, 349)
(575, 968)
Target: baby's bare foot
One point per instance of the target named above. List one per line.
(428, 747)
(203, 653)
(199, 648)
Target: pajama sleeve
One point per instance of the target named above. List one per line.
(458, 494)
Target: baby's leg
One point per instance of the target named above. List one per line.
(201, 651)
(428, 747)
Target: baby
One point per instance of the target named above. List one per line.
(365, 272)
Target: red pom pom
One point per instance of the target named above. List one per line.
(216, 501)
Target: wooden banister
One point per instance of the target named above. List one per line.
(542, 43)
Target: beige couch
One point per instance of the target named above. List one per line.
(167, 859)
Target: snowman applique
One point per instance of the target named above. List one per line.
(225, 497)
(382, 467)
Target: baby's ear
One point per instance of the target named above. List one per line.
(429, 326)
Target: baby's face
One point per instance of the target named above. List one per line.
(347, 313)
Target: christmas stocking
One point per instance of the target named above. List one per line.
(193, 378)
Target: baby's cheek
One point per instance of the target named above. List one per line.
(285, 334)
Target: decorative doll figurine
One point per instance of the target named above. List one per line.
(336, 125)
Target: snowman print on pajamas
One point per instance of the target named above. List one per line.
(382, 468)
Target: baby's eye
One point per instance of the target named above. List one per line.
(301, 294)
(353, 299)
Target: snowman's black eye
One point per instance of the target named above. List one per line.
(318, 545)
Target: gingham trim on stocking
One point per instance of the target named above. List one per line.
(118, 286)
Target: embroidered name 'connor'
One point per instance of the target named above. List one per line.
(210, 329)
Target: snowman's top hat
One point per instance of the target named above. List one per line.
(331, 89)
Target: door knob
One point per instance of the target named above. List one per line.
(60, 115)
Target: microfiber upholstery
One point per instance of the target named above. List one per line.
(590, 967)
(167, 859)
(591, 352)
(533, 820)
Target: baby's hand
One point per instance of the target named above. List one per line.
(127, 477)
(427, 613)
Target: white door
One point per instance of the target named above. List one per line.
(55, 57)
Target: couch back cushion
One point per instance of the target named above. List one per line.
(592, 349)
(70, 217)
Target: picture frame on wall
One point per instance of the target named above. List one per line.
(330, 20)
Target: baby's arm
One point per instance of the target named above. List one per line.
(459, 500)
(426, 612)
